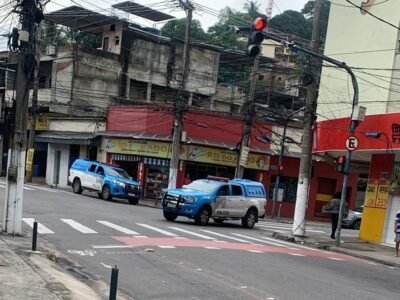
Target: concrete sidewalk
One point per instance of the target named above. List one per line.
(27, 275)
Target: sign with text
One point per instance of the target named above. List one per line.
(371, 194)
(383, 194)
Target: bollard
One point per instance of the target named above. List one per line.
(114, 283)
(34, 236)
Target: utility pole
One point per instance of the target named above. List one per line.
(248, 120)
(281, 154)
(180, 104)
(299, 222)
(34, 109)
(29, 15)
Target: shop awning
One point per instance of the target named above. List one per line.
(67, 137)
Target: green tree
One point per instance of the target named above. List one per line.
(177, 29)
(292, 22)
(308, 12)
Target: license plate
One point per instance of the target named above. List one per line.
(132, 195)
(170, 204)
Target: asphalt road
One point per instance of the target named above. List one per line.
(178, 260)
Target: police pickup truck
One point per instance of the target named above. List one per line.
(217, 198)
(107, 180)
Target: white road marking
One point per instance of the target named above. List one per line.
(78, 226)
(372, 263)
(28, 189)
(296, 254)
(111, 247)
(225, 236)
(213, 248)
(2, 186)
(166, 247)
(258, 240)
(287, 228)
(83, 252)
(167, 233)
(118, 228)
(43, 189)
(192, 233)
(106, 266)
(335, 258)
(255, 251)
(41, 228)
(294, 245)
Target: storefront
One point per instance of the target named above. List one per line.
(148, 162)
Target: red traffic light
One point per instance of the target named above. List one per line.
(341, 160)
(260, 24)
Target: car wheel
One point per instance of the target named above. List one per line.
(203, 216)
(357, 224)
(219, 221)
(100, 195)
(105, 193)
(76, 186)
(249, 220)
(170, 216)
(133, 200)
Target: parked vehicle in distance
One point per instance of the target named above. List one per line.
(107, 180)
(353, 219)
(217, 198)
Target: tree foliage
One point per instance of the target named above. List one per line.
(177, 29)
(292, 22)
(308, 12)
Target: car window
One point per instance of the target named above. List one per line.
(117, 172)
(92, 168)
(223, 190)
(359, 209)
(237, 190)
(100, 171)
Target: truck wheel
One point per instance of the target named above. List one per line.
(357, 224)
(169, 215)
(105, 193)
(133, 201)
(203, 216)
(76, 186)
(249, 220)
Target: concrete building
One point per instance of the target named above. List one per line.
(371, 48)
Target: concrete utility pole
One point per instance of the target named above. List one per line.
(248, 120)
(180, 103)
(29, 14)
(34, 109)
(299, 222)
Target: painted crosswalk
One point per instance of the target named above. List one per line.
(168, 238)
(32, 187)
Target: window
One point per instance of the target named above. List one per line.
(100, 171)
(92, 168)
(289, 187)
(116, 40)
(224, 190)
(105, 44)
(237, 190)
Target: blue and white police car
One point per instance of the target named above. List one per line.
(217, 198)
(107, 180)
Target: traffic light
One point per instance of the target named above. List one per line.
(256, 37)
(340, 163)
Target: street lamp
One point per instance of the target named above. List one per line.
(278, 176)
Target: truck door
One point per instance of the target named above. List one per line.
(89, 178)
(99, 178)
(236, 202)
(221, 201)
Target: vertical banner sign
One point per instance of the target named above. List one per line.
(140, 173)
(29, 159)
(371, 194)
(245, 156)
(395, 179)
(383, 194)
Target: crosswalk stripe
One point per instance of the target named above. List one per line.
(335, 258)
(213, 248)
(41, 188)
(166, 247)
(259, 240)
(167, 233)
(2, 186)
(41, 228)
(28, 189)
(192, 233)
(272, 227)
(255, 251)
(296, 254)
(78, 226)
(118, 228)
(225, 236)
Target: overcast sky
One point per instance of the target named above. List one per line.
(207, 19)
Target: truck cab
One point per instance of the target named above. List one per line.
(217, 198)
(107, 180)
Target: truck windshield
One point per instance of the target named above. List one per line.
(117, 173)
(203, 186)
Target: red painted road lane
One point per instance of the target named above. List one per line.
(186, 242)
